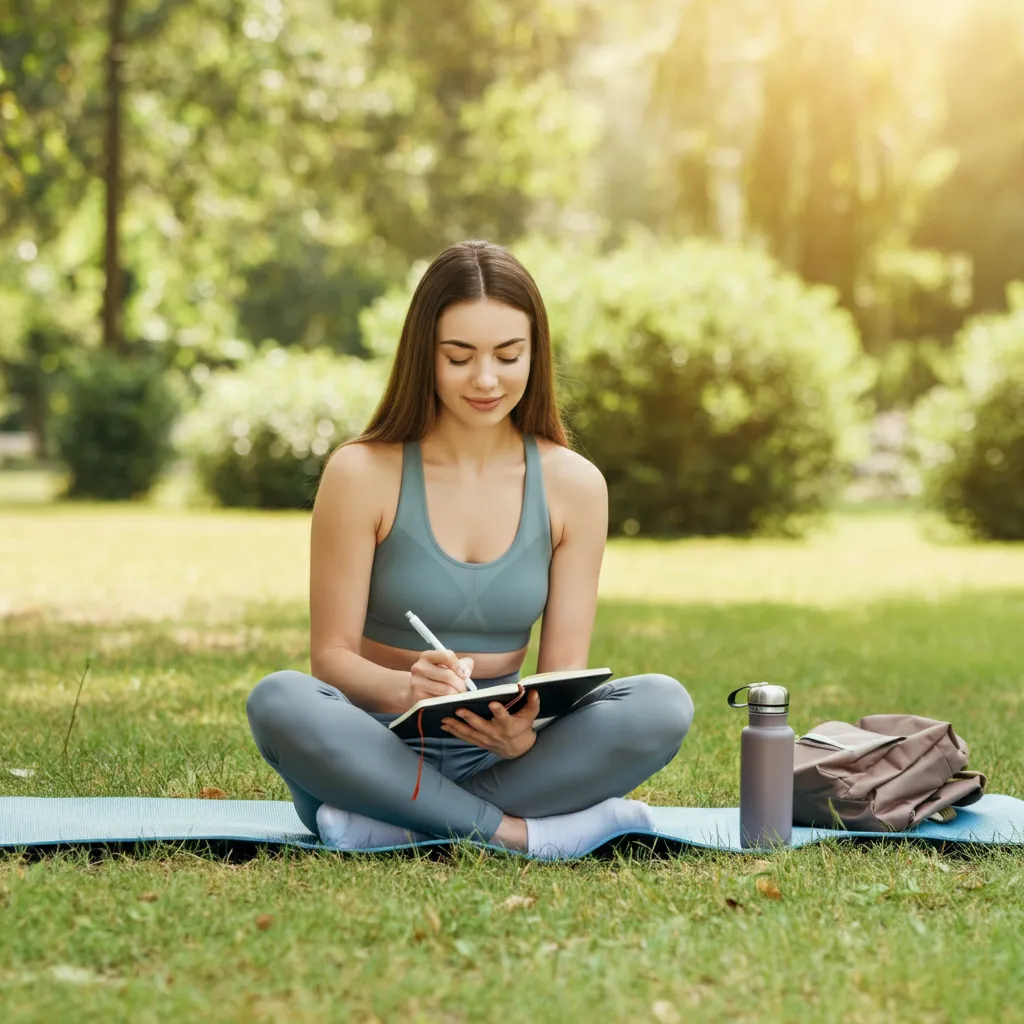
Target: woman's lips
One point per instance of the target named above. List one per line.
(490, 403)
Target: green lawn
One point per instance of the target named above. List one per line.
(181, 612)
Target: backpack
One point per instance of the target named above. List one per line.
(887, 773)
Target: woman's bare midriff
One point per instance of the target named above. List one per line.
(485, 665)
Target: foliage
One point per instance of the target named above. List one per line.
(286, 163)
(381, 321)
(979, 208)
(907, 370)
(51, 107)
(912, 296)
(838, 133)
(717, 392)
(258, 436)
(969, 432)
(113, 425)
(283, 163)
(49, 307)
(327, 288)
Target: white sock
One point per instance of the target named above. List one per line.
(566, 835)
(346, 830)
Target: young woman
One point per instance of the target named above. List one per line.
(463, 503)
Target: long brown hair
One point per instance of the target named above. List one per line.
(465, 272)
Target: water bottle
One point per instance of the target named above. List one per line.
(766, 766)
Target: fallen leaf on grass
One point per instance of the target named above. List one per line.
(75, 975)
(149, 897)
(212, 793)
(972, 883)
(696, 994)
(768, 889)
(21, 773)
(664, 1012)
(518, 901)
(264, 921)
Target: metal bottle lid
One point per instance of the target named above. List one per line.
(763, 698)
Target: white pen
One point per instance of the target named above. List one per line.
(417, 624)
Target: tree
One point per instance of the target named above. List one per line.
(113, 292)
(323, 142)
(979, 210)
(815, 127)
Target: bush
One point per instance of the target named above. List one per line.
(258, 435)
(968, 433)
(112, 423)
(719, 393)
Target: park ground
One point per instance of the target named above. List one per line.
(180, 611)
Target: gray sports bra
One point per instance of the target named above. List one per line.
(486, 607)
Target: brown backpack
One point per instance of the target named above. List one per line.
(887, 773)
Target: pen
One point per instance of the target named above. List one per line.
(420, 628)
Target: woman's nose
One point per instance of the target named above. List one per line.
(485, 377)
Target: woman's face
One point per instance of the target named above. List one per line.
(482, 352)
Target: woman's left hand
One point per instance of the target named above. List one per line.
(506, 735)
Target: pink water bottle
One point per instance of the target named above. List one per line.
(766, 767)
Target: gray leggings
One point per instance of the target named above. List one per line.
(329, 751)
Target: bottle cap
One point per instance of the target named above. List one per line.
(763, 698)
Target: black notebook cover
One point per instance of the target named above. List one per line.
(558, 693)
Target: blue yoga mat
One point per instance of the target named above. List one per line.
(46, 821)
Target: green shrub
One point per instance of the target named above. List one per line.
(968, 433)
(719, 393)
(113, 418)
(258, 435)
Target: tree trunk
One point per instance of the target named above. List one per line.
(113, 296)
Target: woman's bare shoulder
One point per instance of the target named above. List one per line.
(572, 474)
(362, 458)
(368, 466)
(575, 487)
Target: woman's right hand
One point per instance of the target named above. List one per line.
(436, 673)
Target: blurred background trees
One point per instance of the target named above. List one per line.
(286, 169)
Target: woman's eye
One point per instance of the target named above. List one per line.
(462, 362)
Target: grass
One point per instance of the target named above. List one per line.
(181, 612)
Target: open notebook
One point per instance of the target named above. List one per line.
(559, 691)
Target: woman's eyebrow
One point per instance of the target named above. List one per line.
(466, 344)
